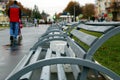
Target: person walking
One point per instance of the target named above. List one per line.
(35, 22)
(14, 13)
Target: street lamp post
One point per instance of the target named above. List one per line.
(74, 13)
(68, 15)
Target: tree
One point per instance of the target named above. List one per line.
(35, 13)
(88, 10)
(44, 15)
(73, 8)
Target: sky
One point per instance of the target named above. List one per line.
(51, 6)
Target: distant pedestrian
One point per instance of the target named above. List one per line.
(93, 18)
(14, 13)
(102, 19)
(35, 22)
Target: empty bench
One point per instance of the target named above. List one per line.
(76, 61)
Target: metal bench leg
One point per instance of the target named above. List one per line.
(83, 75)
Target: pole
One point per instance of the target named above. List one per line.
(74, 13)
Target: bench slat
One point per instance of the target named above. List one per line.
(84, 37)
(60, 69)
(75, 68)
(69, 52)
(103, 23)
(32, 60)
(45, 74)
(79, 52)
(101, 29)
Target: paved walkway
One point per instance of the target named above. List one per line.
(9, 58)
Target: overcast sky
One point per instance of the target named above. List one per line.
(51, 6)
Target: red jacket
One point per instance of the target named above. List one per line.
(14, 13)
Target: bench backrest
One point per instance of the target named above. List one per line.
(90, 42)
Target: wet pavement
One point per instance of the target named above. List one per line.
(9, 57)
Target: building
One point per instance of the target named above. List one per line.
(3, 17)
(109, 8)
(101, 6)
(115, 9)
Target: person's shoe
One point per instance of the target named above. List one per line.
(11, 41)
(11, 38)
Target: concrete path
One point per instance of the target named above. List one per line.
(9, 57)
